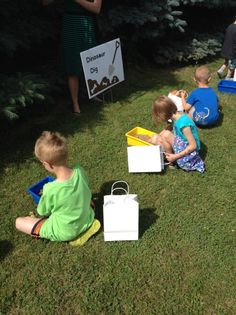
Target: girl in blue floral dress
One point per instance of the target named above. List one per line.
(182, 145)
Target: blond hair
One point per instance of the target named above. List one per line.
(202, 74)
(51, 147)
(163, 109)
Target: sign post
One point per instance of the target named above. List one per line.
(103, 67)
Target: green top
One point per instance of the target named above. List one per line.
(67, 204)
(74, 8)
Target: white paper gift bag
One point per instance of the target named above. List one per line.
(120, 214)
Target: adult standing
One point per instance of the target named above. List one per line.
(229, 51)
(78, 34)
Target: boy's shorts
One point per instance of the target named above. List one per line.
(232, 63)
(36, 228)
(203, 118)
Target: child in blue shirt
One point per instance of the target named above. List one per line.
(182, 145)
(202, 103)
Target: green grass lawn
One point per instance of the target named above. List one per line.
(184, 261)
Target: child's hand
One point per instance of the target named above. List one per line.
(171, 157)
(183, 93)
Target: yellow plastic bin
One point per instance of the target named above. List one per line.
(132, 140)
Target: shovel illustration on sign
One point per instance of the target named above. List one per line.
(111, 68)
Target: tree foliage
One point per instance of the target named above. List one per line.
(170, 31)
(193, 49)
(24, 24)
(18, 91)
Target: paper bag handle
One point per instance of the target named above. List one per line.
(120, 188)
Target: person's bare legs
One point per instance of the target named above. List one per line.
(221, 70)
(230, 74)
(25, 224)
(167, 140)
(155, 139)
(73, 82)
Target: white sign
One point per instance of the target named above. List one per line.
(103, 67)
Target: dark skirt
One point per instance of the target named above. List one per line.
(78, 34)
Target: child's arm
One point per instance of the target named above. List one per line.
(190, 148)
(94, 6)
(43, 208)
(186, 106)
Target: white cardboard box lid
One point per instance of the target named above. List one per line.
(145, 159)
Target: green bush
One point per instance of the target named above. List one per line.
(168, 31)
(20, 91)
(191, 50)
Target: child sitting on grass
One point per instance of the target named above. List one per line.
(202, 103)
(65, 205)
(182, 145)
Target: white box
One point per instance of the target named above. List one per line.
(145, 159)
(121, 217)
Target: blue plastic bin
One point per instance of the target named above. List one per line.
(227, 86)
(35, 189)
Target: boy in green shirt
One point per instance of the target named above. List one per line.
(65, 205)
